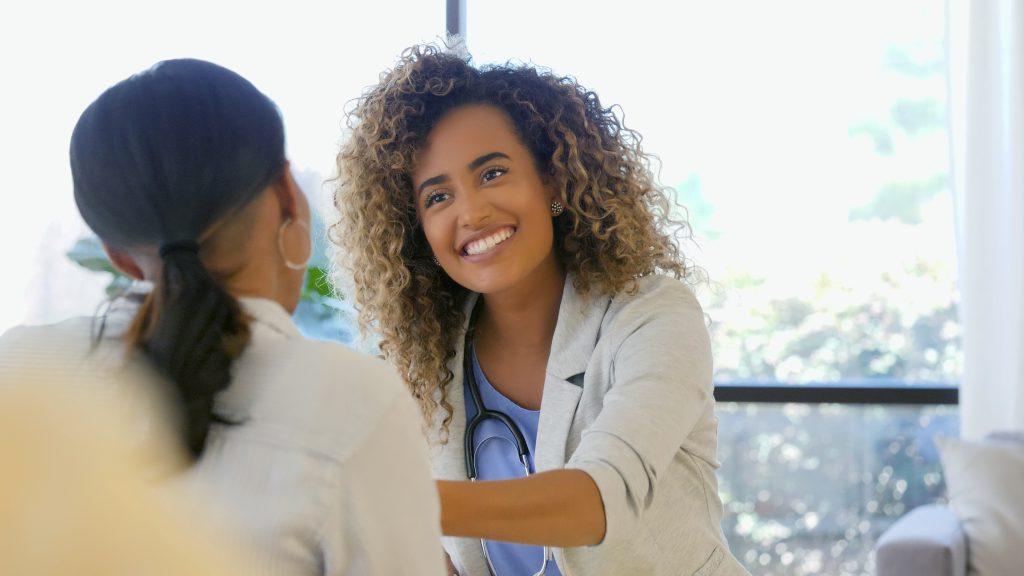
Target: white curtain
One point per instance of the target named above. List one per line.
(987, 113)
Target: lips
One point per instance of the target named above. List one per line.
(486, 241)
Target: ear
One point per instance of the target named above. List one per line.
(289, 196)
(550, 182)
(124, 263)
(553, 193)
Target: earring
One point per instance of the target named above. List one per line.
(280, 245)
(436, 263)
(557, 208)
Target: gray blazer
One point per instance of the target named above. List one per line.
(627, 399)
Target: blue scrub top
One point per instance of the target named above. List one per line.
(498, 459)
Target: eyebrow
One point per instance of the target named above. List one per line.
(480, 161)
(430, 182)
(485, 159)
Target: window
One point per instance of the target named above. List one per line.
(808, 142)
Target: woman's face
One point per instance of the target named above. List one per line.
(483, 206)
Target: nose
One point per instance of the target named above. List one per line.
(475, 211)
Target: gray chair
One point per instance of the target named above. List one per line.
(929, 540)
(926, 542)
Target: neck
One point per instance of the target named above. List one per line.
(266, 282)
(525, 315)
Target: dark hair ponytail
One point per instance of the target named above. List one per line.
(191, 329)
(157, 160)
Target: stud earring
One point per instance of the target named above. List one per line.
(557, 208)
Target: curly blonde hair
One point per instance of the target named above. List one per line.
(617, 226)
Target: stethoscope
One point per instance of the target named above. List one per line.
(482, 415)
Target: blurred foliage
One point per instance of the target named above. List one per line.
(839, 334)
(808, 489)
(920, 116)
(880, 136)
(902, 201)
(899, 325)
(89, 254)
(917, 61)
(694, 208)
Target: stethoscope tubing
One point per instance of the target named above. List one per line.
(482, 415)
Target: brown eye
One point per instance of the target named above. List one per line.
(492, 173)
(434, 198)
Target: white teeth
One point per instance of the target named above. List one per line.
(487, 244)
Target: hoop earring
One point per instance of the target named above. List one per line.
(280, 245)
(556, 209)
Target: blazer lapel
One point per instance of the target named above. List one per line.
(576, 333)
(557, 408)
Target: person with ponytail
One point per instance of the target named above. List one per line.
(311, 450)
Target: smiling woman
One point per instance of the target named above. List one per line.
(617, 227)
(507, 238)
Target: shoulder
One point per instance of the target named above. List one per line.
(74, 330)
(95, 340)
(327, 395)
(323, 362)
(64, 346)
(658, 329)
(658, 300)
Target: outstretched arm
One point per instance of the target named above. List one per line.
(560, 508)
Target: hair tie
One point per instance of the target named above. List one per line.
(179, 246)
